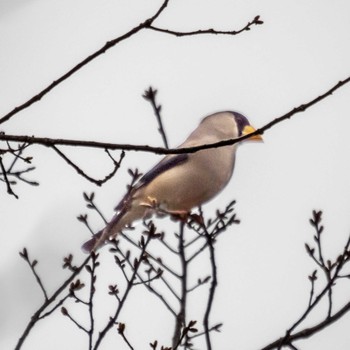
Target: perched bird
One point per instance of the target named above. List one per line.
(181, 182)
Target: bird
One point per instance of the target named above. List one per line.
(181, 182)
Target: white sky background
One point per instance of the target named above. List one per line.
(300, 52)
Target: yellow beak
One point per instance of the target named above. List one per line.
(248, 129)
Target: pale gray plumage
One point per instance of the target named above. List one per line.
(181, 182)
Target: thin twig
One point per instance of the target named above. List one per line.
(213, 285)
(92, 271)
(199, 283)
(159, 296)
(181, 316)
(82, 173)
(67, 314)
(36, 316)
(159, 262)
(17, 153)
(121, 331)
(185, 334)
(48, 313)
(150, 95)
(91, 205)
(215, 328)
(32, 264)
(136, 266)
(18, 174)
(289, 336)
(255, 21)
(8, 185)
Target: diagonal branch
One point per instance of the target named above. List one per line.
(32, 264)
(109, 44)
(308, 332)
(8, 184)
(36, 316)
(102, 50)
(302, 107)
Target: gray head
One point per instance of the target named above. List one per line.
(230, 125)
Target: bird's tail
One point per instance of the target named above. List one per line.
(89, 245)
(121, 219)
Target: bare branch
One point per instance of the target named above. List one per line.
(180, 318)
(213, 285)
(157, 260)
(60, 303)
(255, 21)
(159, 296)
(121, 331)
(308, 332)
(32, 264)
(130, 284)
(185, 333)
(82, 173)
(8, 184)
(150, 95)
(91, 205)
(36, 316)
(67, 314)
(49, 142)
(84, 62)
(336, 268)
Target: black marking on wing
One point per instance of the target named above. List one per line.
(161, 167)
(158, 169)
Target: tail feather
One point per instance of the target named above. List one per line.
(123, 218)
(89, 245)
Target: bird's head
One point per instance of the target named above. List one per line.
(245, 128)
(222, 126)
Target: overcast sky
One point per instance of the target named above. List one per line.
(300, 51)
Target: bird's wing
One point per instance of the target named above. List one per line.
(161, 167)
(164, 165)
(125, 205)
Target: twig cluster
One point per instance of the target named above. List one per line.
(333, 271)
(140, 266)
(9, 174)
(53, 302)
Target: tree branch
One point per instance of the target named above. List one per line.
(8, 184)
(308, 332)
(82, 173)
(109, 44)
(214, 283)
(150, 95)
(180, 318)
(102, 50)
(36, 316)
(341, 261)
(49, 142)
(255, 21)
(32, 264)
